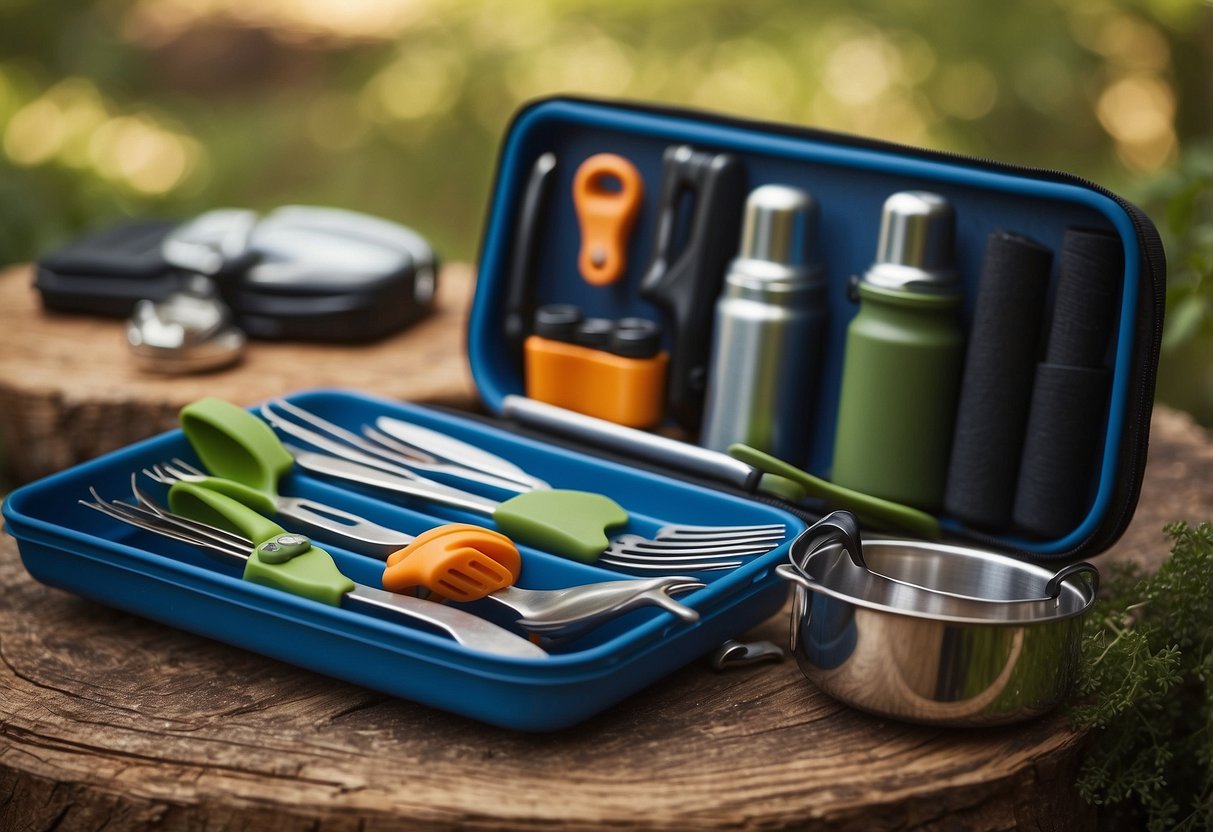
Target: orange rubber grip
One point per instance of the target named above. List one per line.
(627, 391)
(606, 215)
(457, 561)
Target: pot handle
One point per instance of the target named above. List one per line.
(1053, 587)
(836, 527)
(800, 601)
(792, 575)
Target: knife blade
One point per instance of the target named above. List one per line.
(457, 451)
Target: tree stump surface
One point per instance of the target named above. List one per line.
(110, 721)
(70, 391)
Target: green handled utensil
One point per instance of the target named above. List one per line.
(290, 563)
(871, 510)
(574, 523)
(292, 567)
(235, 445)
(247, 452)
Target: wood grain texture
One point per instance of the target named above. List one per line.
(69, 390)
(109, 721)
(108, 718)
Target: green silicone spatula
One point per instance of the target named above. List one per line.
(235, 445)
(871, 510)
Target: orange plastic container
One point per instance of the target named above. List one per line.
(629, 391)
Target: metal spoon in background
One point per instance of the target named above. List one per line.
(188, 332)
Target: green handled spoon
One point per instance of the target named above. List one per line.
(296, 566)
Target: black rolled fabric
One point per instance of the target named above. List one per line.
(1061, 448)
(996, 389)
(1088, 290)
(1070, 398)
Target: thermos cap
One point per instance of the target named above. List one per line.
(776, 243)
(915, 249)
(775, 228)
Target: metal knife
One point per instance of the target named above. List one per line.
(457, 451)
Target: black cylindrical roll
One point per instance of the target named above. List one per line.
(1061, 448)
(1070, 398)
(1004, 346)
(1088, 289)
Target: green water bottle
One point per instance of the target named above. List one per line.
(904, 355)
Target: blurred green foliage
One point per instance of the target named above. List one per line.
(114, 108)
(1182, 203)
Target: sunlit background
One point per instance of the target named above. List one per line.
(395, 107)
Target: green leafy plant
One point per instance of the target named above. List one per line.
(1145, 692)
(1182, 203)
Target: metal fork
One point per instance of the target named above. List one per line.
(556, 614)
(682, 548)
(466, 629)
(327, 522)
(678, 548)
(390, 453)
(693, 548)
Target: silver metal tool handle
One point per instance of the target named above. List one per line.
(470, 631)
(660, 449)
(581, 607)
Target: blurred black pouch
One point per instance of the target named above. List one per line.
(298, 273)
(108, 272)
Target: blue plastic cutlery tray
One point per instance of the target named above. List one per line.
(69, 546)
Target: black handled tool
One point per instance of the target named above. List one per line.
(685, 282)
(519, 304)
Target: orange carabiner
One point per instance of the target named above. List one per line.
(607, 194)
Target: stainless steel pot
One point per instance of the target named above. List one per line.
(933, 633)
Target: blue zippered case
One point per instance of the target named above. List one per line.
(849, 178)
(69, 546)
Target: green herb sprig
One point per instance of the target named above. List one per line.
(1145, 690)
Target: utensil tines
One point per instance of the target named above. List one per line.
(555, 614)
(395, 458)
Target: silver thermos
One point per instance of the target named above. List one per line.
(767, 339)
